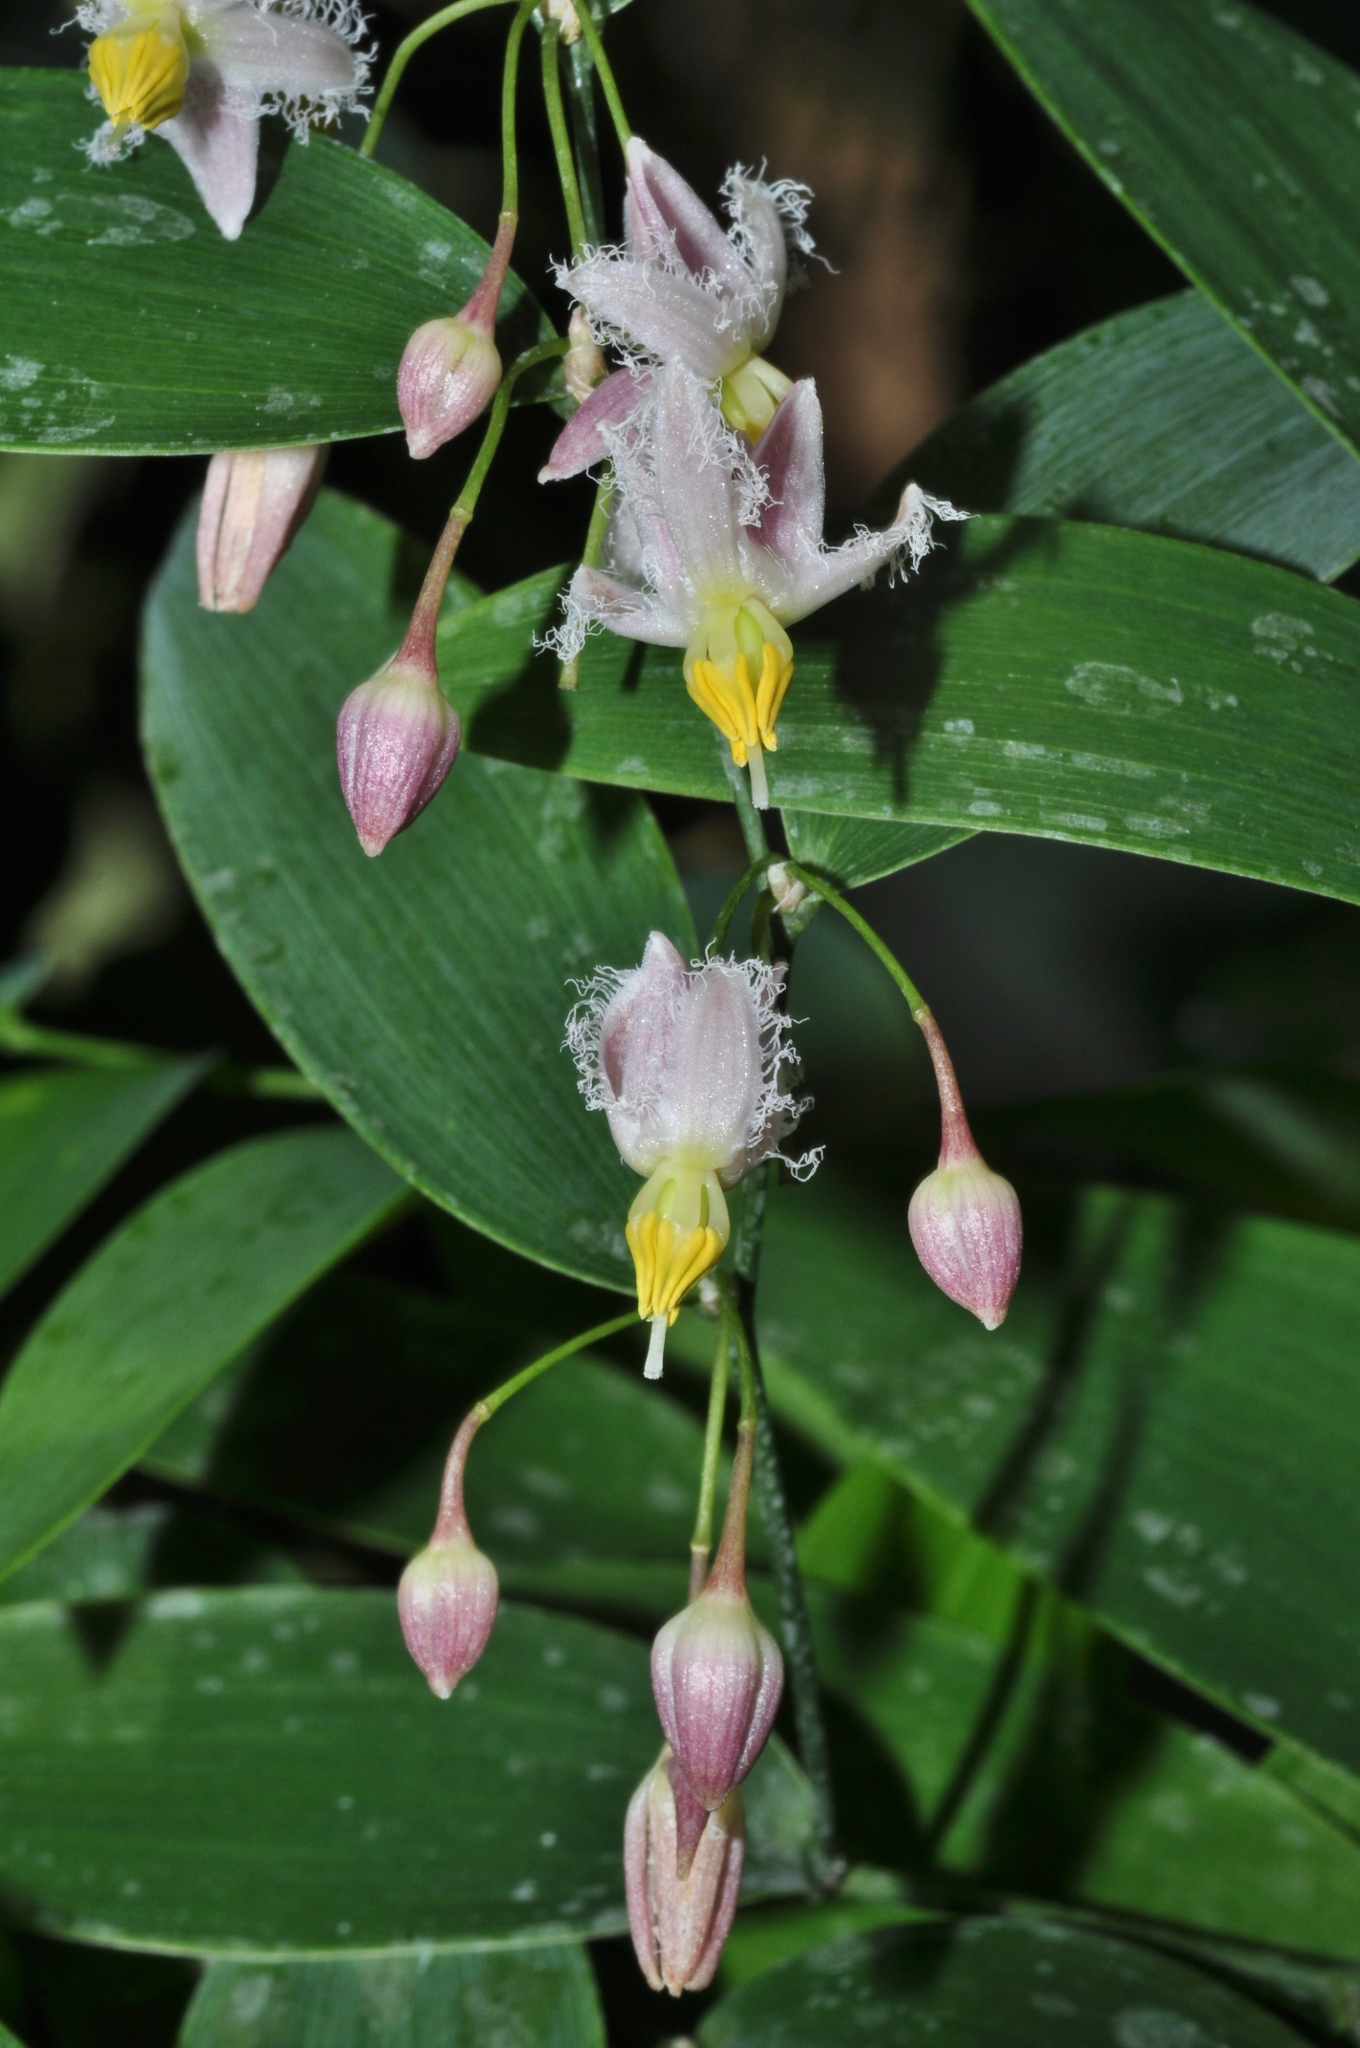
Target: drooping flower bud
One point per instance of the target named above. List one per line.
(448, 1592)
(397, 735)
(254, 502)
(451, 368)
(686, 1063)
(680, 1908)
(396, 740)
(963, 1218)
(717, 1674)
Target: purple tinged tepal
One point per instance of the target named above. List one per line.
(717, 548)
(448, 1592)
(254, 501)
(683, 289)
(680, 1901)
(202, 73)
(687, 1064)
(963, 1218)
(717, 1673)
(451, 368)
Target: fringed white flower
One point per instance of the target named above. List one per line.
(684, 289)
(689, 1065)
(203, 73)
(717, 548)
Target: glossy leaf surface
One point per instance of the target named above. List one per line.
(1170, 1429)
(129, 325)
(541, 1995)
(62, 1134)
(1163, 418)
(163, 1305)
(266, 1772)
(426, 992)
(1077, 682)
(989, 1984)
(1234, 142)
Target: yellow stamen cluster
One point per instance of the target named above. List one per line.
(677, 1229)
(749, 395)
(140, 69)
(740, 680)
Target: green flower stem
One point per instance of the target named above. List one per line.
(402, 56)
(701, 1543)
(733, 903)
(568, 676)
(35, 1041)
(487, 1406)
(561, 141)
(586, 133)
(509, 79)
(604, 74)
(916, 1002)
(828, 1866)
(748, 817)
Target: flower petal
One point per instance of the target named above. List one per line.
(810, 584)
(277, 54)
(759, 232)
(581, 442)
(665, 218)
(789, 454)
(218, 148)
(696, 489)
(666, 312)
(636, 614)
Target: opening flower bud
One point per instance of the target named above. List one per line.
(679, 1922)
(448, 1592)
(964, 1219)
(254, 502)
(451, 369)
(738, 668)
(717, 1673)
(583, 367)
(140, 68)
(396, 740)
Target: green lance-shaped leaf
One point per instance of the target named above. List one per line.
(162, 1306)
(989, 1984)
(1075, 682)
(1168, 1423)
(541, 1995)
(1164, 419)
(62, 1134)
(1234, 142)
(425, 991)
(129, 325)
(264, 1772)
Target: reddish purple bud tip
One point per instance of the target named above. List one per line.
(447, 1603)
(395, 741)
(965, 1224)
(679, 1924)
(717, 1676)
(450, 372)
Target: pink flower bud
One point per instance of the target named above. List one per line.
(448, 1592)
(717, 1674)
(451, 369)
(395, 741)
(963, 1218)
(254, 501)
(679, 1922)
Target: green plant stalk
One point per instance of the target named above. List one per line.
(701, 1543)
(509, 80)
(586, 133)
(489, 1403)
(828, 1866)
(604, 74)
(568, 676)
(402, 56)
(734, 901)
(561, 140)
(35, 1041)
(748, 817)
